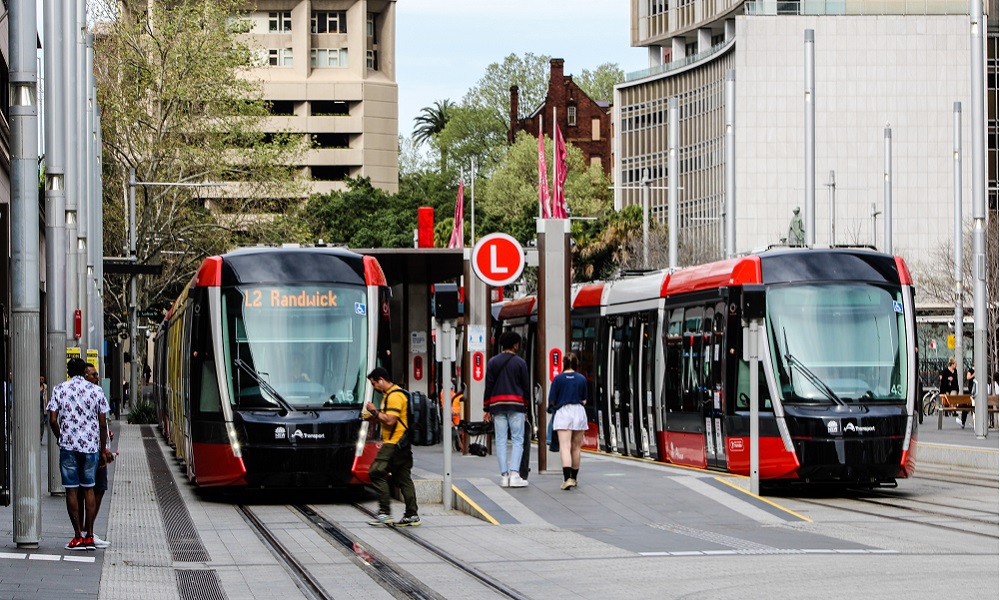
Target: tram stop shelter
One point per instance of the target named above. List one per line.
(410, 273)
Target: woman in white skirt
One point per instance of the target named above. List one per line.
(567, 397)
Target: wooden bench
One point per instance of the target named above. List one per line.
(964, 403)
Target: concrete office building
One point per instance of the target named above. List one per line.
(329, 68)
(902, 63)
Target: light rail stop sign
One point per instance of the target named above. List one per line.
(498, 259)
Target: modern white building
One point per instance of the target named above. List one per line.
(329, 69)
(901, 64)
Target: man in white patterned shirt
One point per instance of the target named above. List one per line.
(76, 416)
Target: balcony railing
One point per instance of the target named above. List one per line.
(856, 7)
(677, 64)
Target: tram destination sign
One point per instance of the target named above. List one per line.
(498, 259)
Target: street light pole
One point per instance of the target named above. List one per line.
(133, 322)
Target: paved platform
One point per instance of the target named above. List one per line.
(542, 541)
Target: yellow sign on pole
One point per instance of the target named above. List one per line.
(951, 341)
(92, 358)
(71, 353)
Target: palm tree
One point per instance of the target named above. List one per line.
(431, 122)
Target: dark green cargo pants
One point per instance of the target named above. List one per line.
(392, 466)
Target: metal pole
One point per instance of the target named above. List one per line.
(472, 208)
(833, 209)
(70, 49)
(80, 137)
(875, 214)
(134, 384)
(979, 211)
(55, 218)
(959, 300)
(25, 295)
(99, 250)
(646, 181)
(730, 163)
(94, 254)
(887, 209)
(810, 106)
(673, 176)
(447, 355)
(754, 341)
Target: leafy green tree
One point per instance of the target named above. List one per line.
(510, 200)
(599, 84)
(529, 73)
(431, 122)
(178, 107)
(474, 133)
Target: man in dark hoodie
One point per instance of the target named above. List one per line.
(505, 403)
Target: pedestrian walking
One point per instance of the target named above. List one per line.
(505, 402)
(567, 398)
(394, 460)
(101, 477)
(76, 416)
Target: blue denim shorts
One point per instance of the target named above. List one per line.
(78, 469)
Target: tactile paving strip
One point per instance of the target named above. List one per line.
(182, 537)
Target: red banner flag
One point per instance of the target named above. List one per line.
(559, 191)
(458, 231)
(543, 178)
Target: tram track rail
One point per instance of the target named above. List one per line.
(914, 507)
(397, 581)
(483, 578)
(303, 578)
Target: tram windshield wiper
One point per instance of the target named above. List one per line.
(813, 378)
(264, 385)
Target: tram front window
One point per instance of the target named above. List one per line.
(296, 346)
(837, 343)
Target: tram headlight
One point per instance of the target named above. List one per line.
(359, 448)
(234, 441)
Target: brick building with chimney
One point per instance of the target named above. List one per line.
(585, 123)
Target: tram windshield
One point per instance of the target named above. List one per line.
(838, 343)
(291, 347)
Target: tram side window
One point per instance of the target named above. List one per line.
(204, 382)
(672, 344)
(692, 375)
(743, 387)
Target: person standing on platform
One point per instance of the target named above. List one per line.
(76, 416)
(394, 460)
(948, 383)
(567, 397)
(105, 457)
(506, 399)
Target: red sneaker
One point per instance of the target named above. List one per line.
(76, 543)
(88, 543)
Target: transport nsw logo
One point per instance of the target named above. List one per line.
(832, 427)
(281, 434)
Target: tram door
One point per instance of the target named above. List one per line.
(617, 395)
(712, 336)
(644, 359)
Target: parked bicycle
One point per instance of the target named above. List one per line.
(931, 402)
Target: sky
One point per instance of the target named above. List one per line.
(443, 47)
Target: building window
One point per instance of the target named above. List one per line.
(595, 129)
(329, 21)
(371, 56)
(328, 57)
(571, 116)
(371, 28)
(278, 22)
(279, 57)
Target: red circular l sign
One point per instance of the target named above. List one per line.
(498, 259)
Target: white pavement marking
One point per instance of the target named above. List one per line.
(51, 557)
(12, 555)
(85, 559)
(729, 501)
(506, 500)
